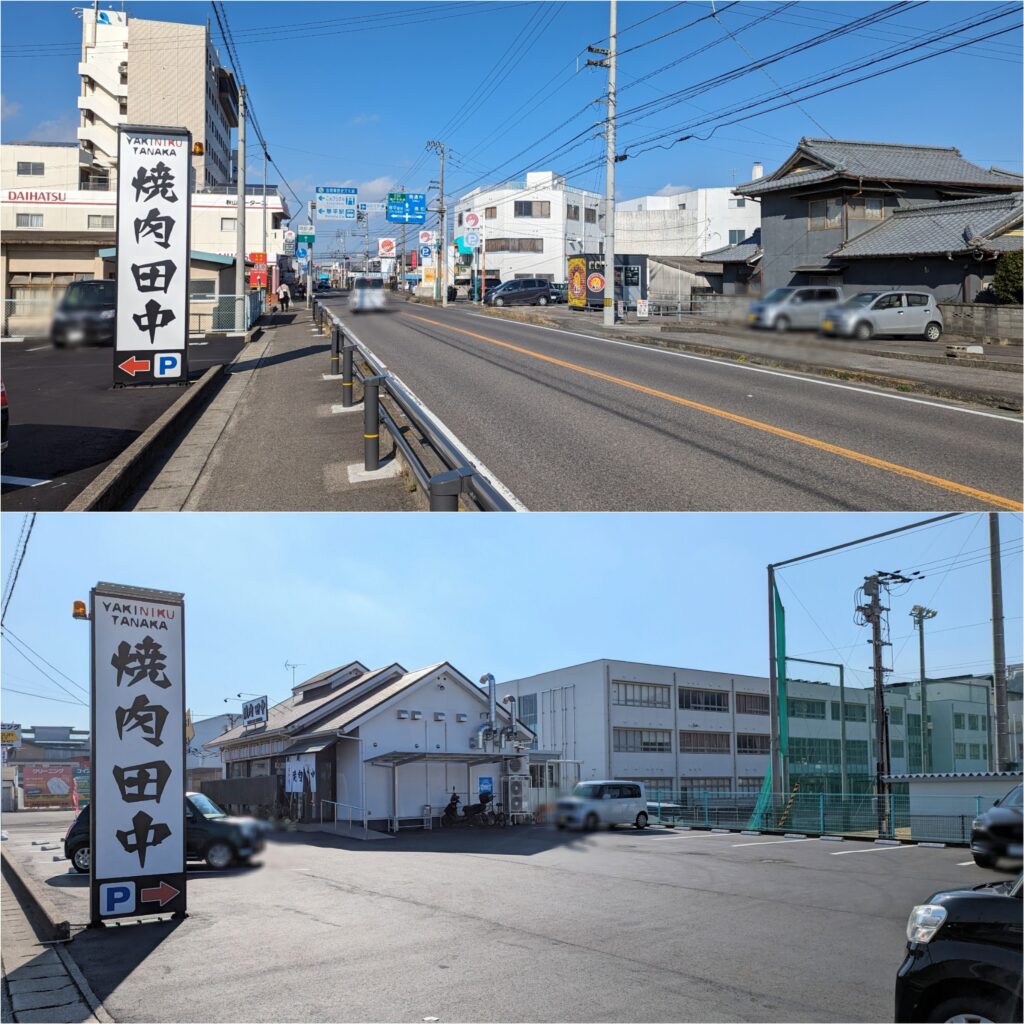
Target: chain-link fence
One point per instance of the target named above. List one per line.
(27, 316)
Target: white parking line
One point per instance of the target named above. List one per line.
(22, 481)
(773, 842)
(691, 835)
(966, 863)
(873, 849)
(38, 348)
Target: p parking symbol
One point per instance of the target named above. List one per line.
(117, 898)
(167, 364)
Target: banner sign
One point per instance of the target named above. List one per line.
(386, 247)
(258, 274)
(10, 734)
(300, 774)
(138, 753)
(255, 711)
(48, 785)
(153, 238)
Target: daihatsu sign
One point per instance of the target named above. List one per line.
(153, 228)
(137, 820)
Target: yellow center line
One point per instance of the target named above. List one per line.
(812, 442)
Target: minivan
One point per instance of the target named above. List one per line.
(85, 314)
(607, 802)
(783, 308)
(528, 291)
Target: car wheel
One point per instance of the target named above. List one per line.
(219, 855)
(641, 820)
(933, 332)
(782, 323)
(499, 302)
(591, 822)
(80, 860)
(863, 331)
(984, 860)
(542, 301)
(970, 1008)
(560, 826)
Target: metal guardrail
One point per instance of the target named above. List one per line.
(461, 477)
(363, 815)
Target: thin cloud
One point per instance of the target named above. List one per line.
(59, 129)
(671, 190)
(361, 119)
(8, 108)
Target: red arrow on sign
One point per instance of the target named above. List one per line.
(164, 892)
(131, 365)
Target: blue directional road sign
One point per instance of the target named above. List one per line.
(335, 203)
(407, 207)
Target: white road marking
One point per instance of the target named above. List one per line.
(37, 348)
(773, 842)
(966, 863)
(765, 370)
(11, 341)
(873, 849)
(22, 481)
(691, 835)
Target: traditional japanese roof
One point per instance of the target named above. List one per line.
(987, 223)
(820, 160)
(691, 264)
(741, 252)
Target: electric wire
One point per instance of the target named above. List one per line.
(20, 552)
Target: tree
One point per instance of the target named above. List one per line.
(1008, 283)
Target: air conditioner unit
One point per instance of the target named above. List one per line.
(403, 714)
(517, 794)
(461, 718)
(417, 715)
(516, 765)
(440, 716)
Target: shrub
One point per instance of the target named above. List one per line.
(1008, 283)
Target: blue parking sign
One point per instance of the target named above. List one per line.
(117, 898)
(486, 784)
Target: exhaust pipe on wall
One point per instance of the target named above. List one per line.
(492, 704)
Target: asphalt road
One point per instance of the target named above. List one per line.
(567, 421)
(523, 924)
(68, 422)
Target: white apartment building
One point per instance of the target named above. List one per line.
(531, 227)
(689, 730)
(686, 223)
(136, 71)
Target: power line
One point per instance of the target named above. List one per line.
(39, 696)
(15, 647)
(19, 558)
(15, 636)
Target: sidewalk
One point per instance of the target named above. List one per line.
(40, 982)
(993, 379)
(276, 438)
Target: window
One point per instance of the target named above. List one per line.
(718, 785)
(854, 712)
(202, 289)
(29, 220)
(814, 752)
(514, 245)
(984, 751)
(526, 710)
(681, 206)
(641, 695)
(958, 720)
(913, 724)
(490, 212)
(824, 213)
(229, 223)
(737, 204)
(889, 302)
(460, 220)
(752, 704)
(655, 785)
(801, 708)
(983, 721)
(590, 215)
(914, 755)
(704, 742)
(703, 700)
(532, 209)
(960, 751)
(572, 211)
(918, 300)
(735, 237)
(866, 209)
(895, 716)
(896, 748)
(750, 784)
(972, 723)
(752, 743)
(36, 170)
(975, 751)
(642, 741)
(101, 220)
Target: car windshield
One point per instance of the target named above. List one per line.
(861, 299)
(586, 790)
(90, 294)
(205, 806)
(1015, 798)
(369, 282)
(778, 294)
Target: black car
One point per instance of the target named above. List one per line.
(559, 292)
(963, 958)
(85, 315)
(528, 291)
(491, 283)
(997, 834)
(210, 835)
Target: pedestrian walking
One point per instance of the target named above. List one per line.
(284, 295)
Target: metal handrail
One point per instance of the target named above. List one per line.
(486, 495)
(364, 814)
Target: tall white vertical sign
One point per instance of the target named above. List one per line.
(153, 237)
(138, 753)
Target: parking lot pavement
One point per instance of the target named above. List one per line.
(528, 924)
(68, 422)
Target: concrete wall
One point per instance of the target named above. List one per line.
(983, 321)
(956, 796)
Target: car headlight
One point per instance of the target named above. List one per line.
(107, 314)
(925, 920)
(976, 824)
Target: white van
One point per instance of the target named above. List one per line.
(606, 802)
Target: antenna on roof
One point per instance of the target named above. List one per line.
(293, 666)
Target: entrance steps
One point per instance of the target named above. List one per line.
(369, 835)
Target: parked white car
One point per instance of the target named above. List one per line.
(867, 314)
(785, 308)
(606, 802)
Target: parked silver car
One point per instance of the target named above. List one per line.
(783, 308)
(880, 312)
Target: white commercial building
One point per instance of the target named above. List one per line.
(688, 730)
(531, 227)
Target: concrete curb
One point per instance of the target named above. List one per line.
(56, 926)
(120, 478)
(99, 1011)
(974, 395)
(824, 836)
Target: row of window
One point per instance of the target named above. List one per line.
(971, 722)
(973, 751)
(659, 741)
(823, 214)
(514, 245)
(31, 168)
(712, 785)
(540, 209)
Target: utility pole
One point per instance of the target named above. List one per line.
(609, 229)
(1003, 757)
(266, 263)
(240, 324)
(441, 272)
(401, 264)
(920, 614)
(310, 210)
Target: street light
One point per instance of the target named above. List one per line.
(919, 614)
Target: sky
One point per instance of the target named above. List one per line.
(349, 93)
(508, 594)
